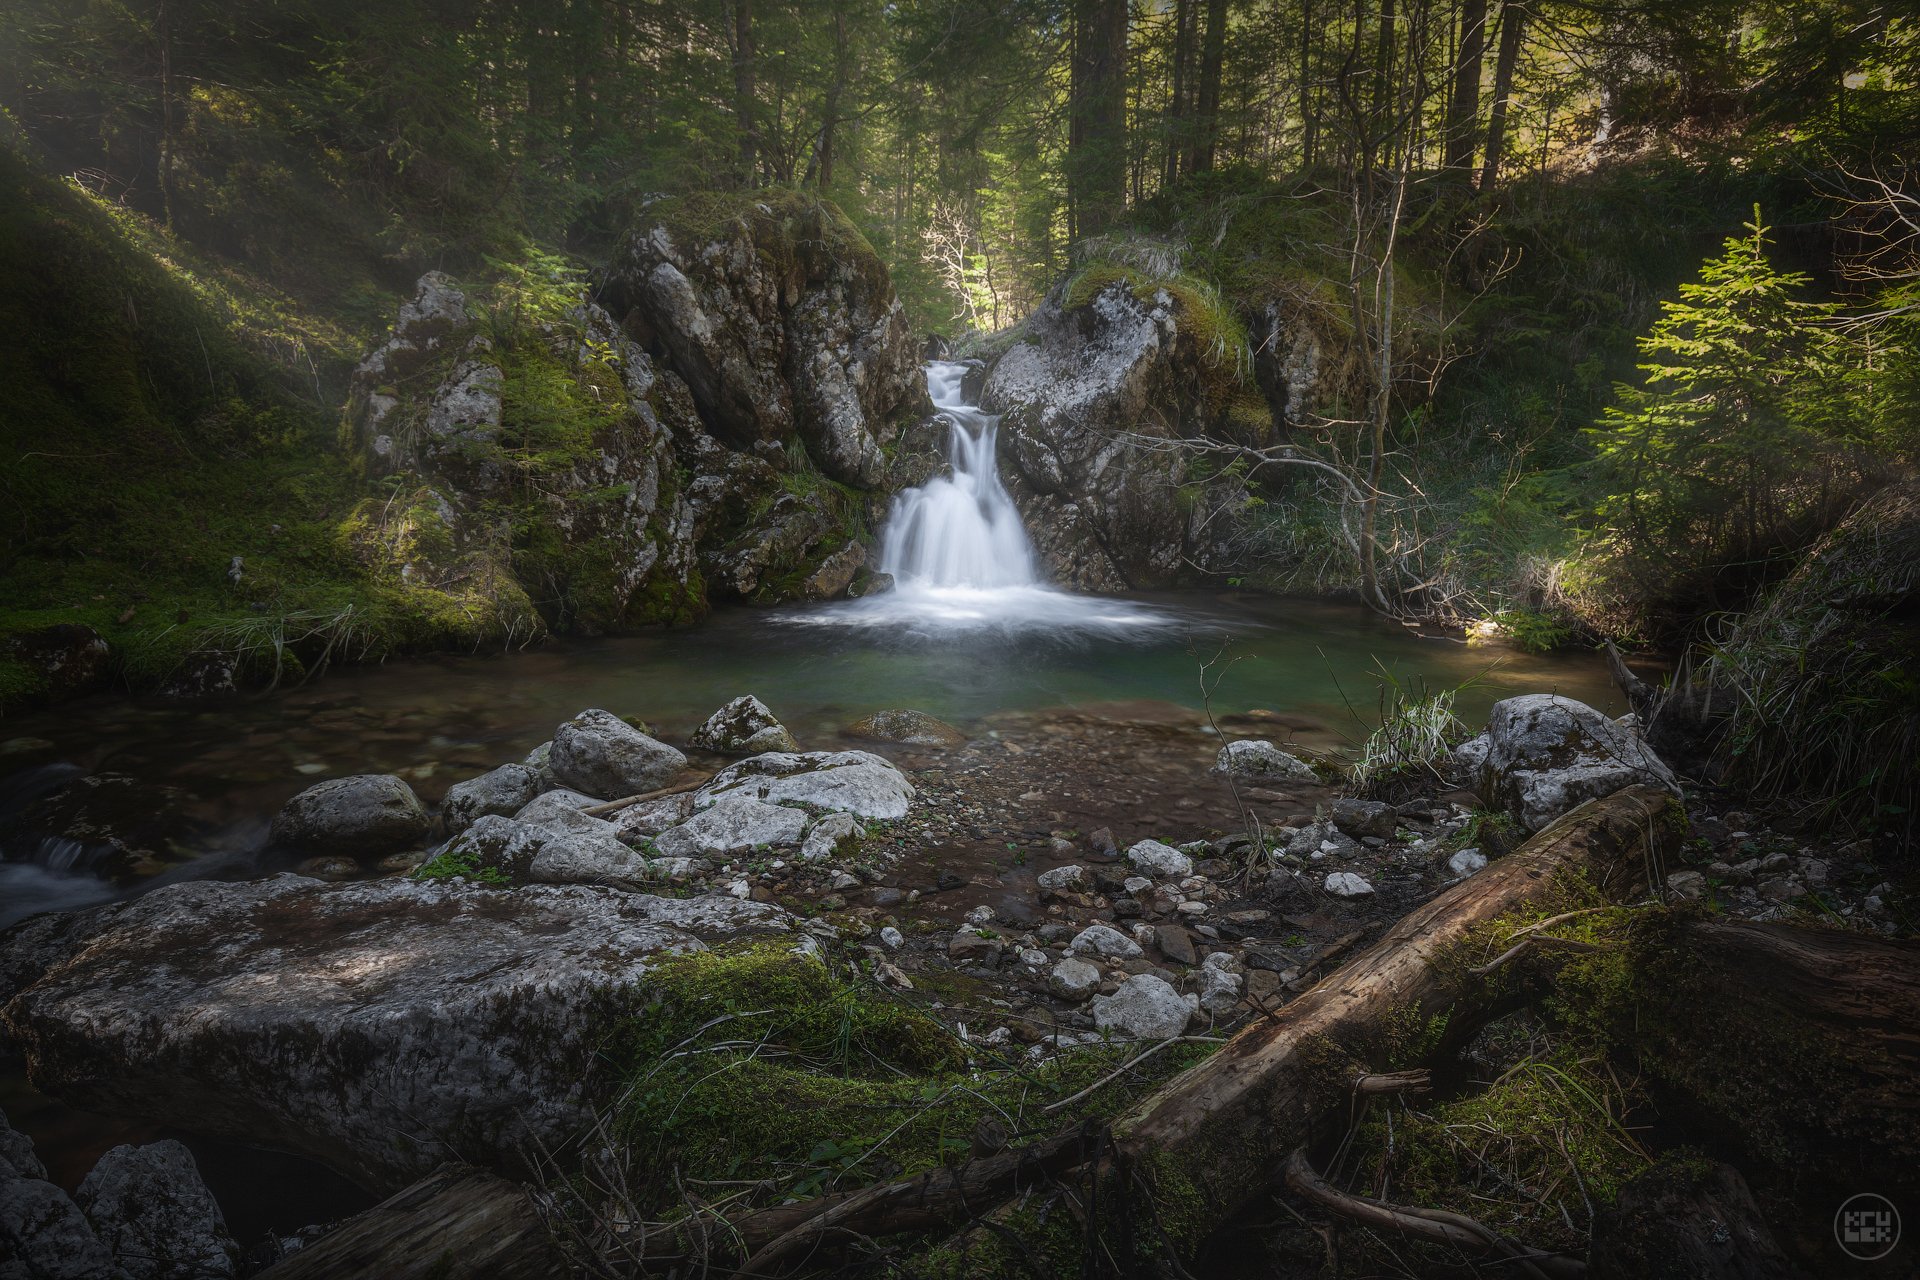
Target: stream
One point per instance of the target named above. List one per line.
(970, 631)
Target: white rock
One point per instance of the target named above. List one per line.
(549, 805)
(857, 782)
(1032, 957)
(980, 916)
(1219, 989)
(826, 835)
(892, 938)
(1073, 980)
(1256, 758)
(1345, 884)
(504, 791)
(1135, 884)
(743, 727)
(599, 753)
(735, 823)
(1466, 862)
(1105, 940)
(1067, 879)
(1192, 908)
(1144, 1008)
(1163, 861)
(1546, 755)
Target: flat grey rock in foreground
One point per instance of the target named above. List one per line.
(856, 782)
(381, 1027)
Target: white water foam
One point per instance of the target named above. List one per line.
(960, 557)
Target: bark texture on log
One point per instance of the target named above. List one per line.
(457, 1223)
(1685, 1221)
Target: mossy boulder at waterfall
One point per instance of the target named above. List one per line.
(801, 401)
(1104, 377)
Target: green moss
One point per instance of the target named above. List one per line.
(461, 863)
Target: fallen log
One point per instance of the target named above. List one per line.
(1219, 1134)
(457, 1223)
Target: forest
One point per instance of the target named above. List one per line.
(1311, 607)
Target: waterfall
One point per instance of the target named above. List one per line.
(960, 558)
(959, 530)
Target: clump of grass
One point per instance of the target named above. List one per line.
(1417, 731)
(462, 864)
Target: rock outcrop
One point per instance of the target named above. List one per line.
(336, 1021)
(743, 727)
(1090, 393)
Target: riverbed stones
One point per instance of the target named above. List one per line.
(381, 1027)
(1545, 755)
(732, 824)
(1071, 878)
(1258, 758)
(856, 782)
(1162, 861)
(1106, 941)
(1363, 818)
(505, 791)
(1146, 1007)
(1348, 884)
(743, 727)
(907, 727)
(364, 816)
(1466, 862)
(156, 1217)
(1073, 980)
(602, 755)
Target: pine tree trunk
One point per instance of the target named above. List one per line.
(1212, 60)
(743, 90)
(1463, 115)
(1513, 27)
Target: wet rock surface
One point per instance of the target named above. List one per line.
(364, 816)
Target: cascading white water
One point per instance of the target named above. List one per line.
(960, 557)
(959, 530)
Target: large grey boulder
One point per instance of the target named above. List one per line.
(1545, 755)
(44, 1236)
(1258, 758)
(149, 1207)
(1091, 395)
(602, 755)
(856, 782)
(364, 816)
(744, 727)
(1145, 1007)
(732, 824)
(381, 1026)
(502, 791)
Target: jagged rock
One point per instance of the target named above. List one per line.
(1547, 754)
(827, 834)
(44, 1236)
(148, 1205)
(1346, 884)
(602, 755)
(1089, 377)
(341, 1021)
(856, 782)
(1321, 840)
(1257, 758)
(1159, 860)
(1144, 1008)
(363, 816)
(1362, 818)
(834, 578)
(1105, 940)
(1073, 980)
(501, 791)
(1220, 981)
(780, 319)
(732, 824)
(743, 727)
(911, 728)
(1175, 943)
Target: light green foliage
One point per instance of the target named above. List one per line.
(1417, 729)
(1746, 436)
(461, 864)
